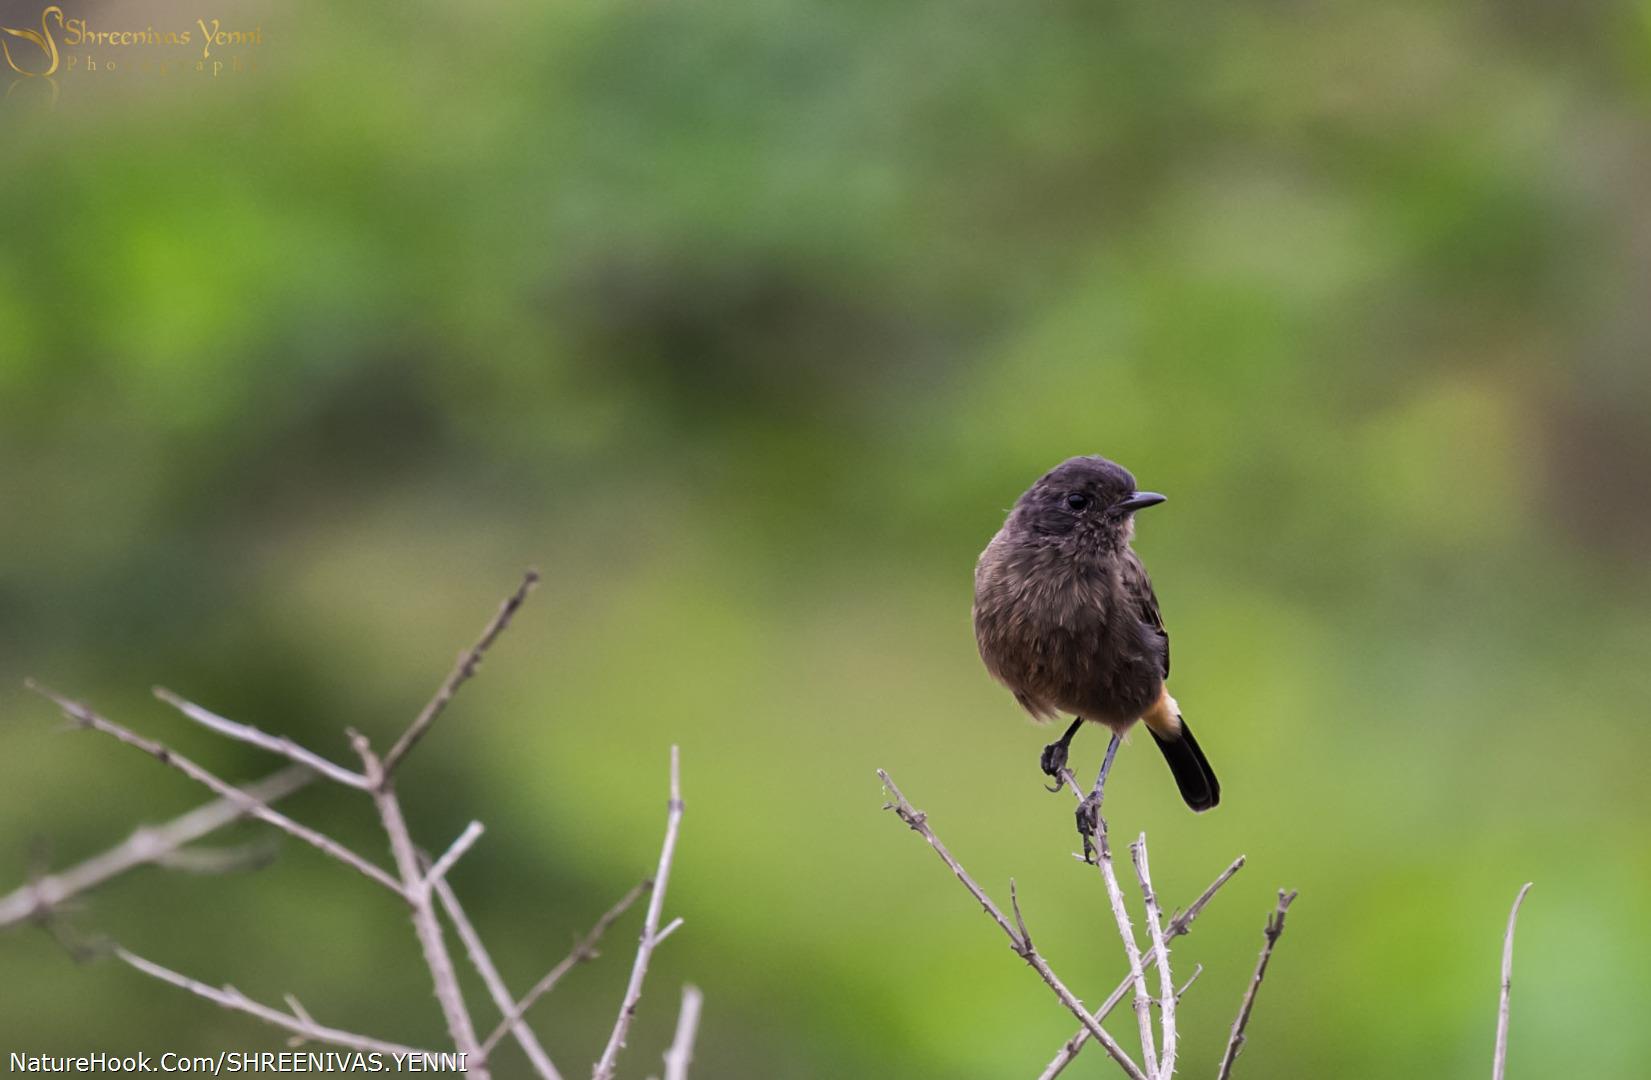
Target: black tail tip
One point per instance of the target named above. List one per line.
(1199, 788)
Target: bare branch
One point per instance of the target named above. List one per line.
(1126, 932)
(650, 929)
(1132, 951)
(1160, 947)
(275, 744)
(454, 852)
(417, 890)
(1021, 943)
(468, 661)
(146, 845)
(1500, 1064)
(1180, 924)
(583, 951)
(298, 1022)
(681, 1052)
(1274, 928)
(483, 963)
(85, 717)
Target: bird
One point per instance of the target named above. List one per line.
(1066, 618)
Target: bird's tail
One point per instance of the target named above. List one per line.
(1187, 763)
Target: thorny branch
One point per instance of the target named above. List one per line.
(1160, 948)
(1018, 940)
(1272, 932)
(469, 661)
(1132, 951)
(1179, 925)
(419, 881)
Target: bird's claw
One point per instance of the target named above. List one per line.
(1054, 763)
(1090, 824)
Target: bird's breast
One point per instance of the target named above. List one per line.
(1057, 632)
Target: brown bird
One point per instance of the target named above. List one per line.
(1066, 618)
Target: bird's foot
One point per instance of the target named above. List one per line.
(1054, 763)
(1090, 824)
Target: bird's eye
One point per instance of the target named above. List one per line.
(1077, 500)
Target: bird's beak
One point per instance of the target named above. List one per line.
(1139, 501)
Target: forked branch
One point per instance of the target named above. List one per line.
(416, 887)
(275, 744)
(83, 716)
(419, 881)
(1019, 940)
(1179, 925)
(584, 951)
(482, 961)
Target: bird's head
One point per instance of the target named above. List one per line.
(1084, 503)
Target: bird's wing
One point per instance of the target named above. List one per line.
(1146, 602)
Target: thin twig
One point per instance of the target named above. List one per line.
(1197, 970)
(85, 717)
(417, 890)
(299, 1011)
(275, 744)
(1160, 947)
(147, 844)
(1179, 925)
(468, 661)
(454, 852)
(681, 1052)
(650, 929)
(583, 951)
(1274, 928)
(1500, 1064)
(1019, 942)
(496, 989)
(299, 1022)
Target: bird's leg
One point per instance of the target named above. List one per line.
(1054, 755)
(1089, 811)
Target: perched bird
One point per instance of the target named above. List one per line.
(1066, 618)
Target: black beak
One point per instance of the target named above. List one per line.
(1139, 501)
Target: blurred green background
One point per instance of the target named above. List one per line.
(745, 323)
